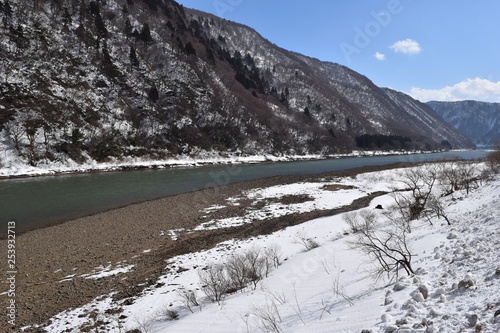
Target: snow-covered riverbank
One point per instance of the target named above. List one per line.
(11, 165)
(330, 288)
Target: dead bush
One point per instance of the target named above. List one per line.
(240, 270)
(215, 282)
(493, 160)
(304, 240)
(188, 298)
(387, 247)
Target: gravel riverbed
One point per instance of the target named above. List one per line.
(51, 263)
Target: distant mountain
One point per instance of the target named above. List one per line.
(94, 80)
(479, 121)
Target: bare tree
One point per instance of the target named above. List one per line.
(16, 131)
(493, 160)
(460, 175)
(144, 323)
(238, 271)
(304, 240)
(449, 179)
(273, 255)
(268, 316)
(387, 247)
(214, 282)
(468, 173)
(257, 267)
(188, 298)
(250, 267)
(420, 181)
(241, 270)
(435, 209)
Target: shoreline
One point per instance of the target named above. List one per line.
(140, 164)
(52, 223)
(132, 235)
(265, 179)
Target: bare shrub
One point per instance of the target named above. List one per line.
(273, 255)
(144, 323)
(278, 296)
(460, 175)
(269, 317)
(388, 247)
(214, 282)
(237, 270)
(247, 268)
(256, 265)
(188, 298)
(420, 181)
(304, 240)
(469, 175)
(353, 220)
(295, 305)
(493, 160)
(240, 271)
(435, 209)
(420, 201)
(402, 212)
(339, 291)
(449, 179)
(170, 314)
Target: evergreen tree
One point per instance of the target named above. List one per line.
(67, 20)
(133, 57)
(153, 94)
(100, 26)
(307, 112)
(145, 34)
(128, 28)
(7, 11)
(189, 49)
(108, 67)
(99, 23)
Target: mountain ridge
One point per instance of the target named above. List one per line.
(480, 121)
(94, 81)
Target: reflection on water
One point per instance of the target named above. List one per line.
(34, 202)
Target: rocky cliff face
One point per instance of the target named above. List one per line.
(94, 80)
(479, 121)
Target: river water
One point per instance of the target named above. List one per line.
(40, 201)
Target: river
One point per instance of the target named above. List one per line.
(40, 201)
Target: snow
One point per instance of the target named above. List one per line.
(12, 165)
(455, 288)
(101, 272)
(315, 197)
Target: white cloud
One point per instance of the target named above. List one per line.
(470, 89)
(380, 56)
(407, 46)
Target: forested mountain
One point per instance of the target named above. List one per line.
(480, 121)
(95, 80)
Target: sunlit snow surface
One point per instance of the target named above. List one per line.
(329, 289)
(316, 198)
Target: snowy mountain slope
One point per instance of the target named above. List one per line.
(101, 80)
(324, 88)
(480, 121)
(329, 288)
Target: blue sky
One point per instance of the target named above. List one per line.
(431, 49)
